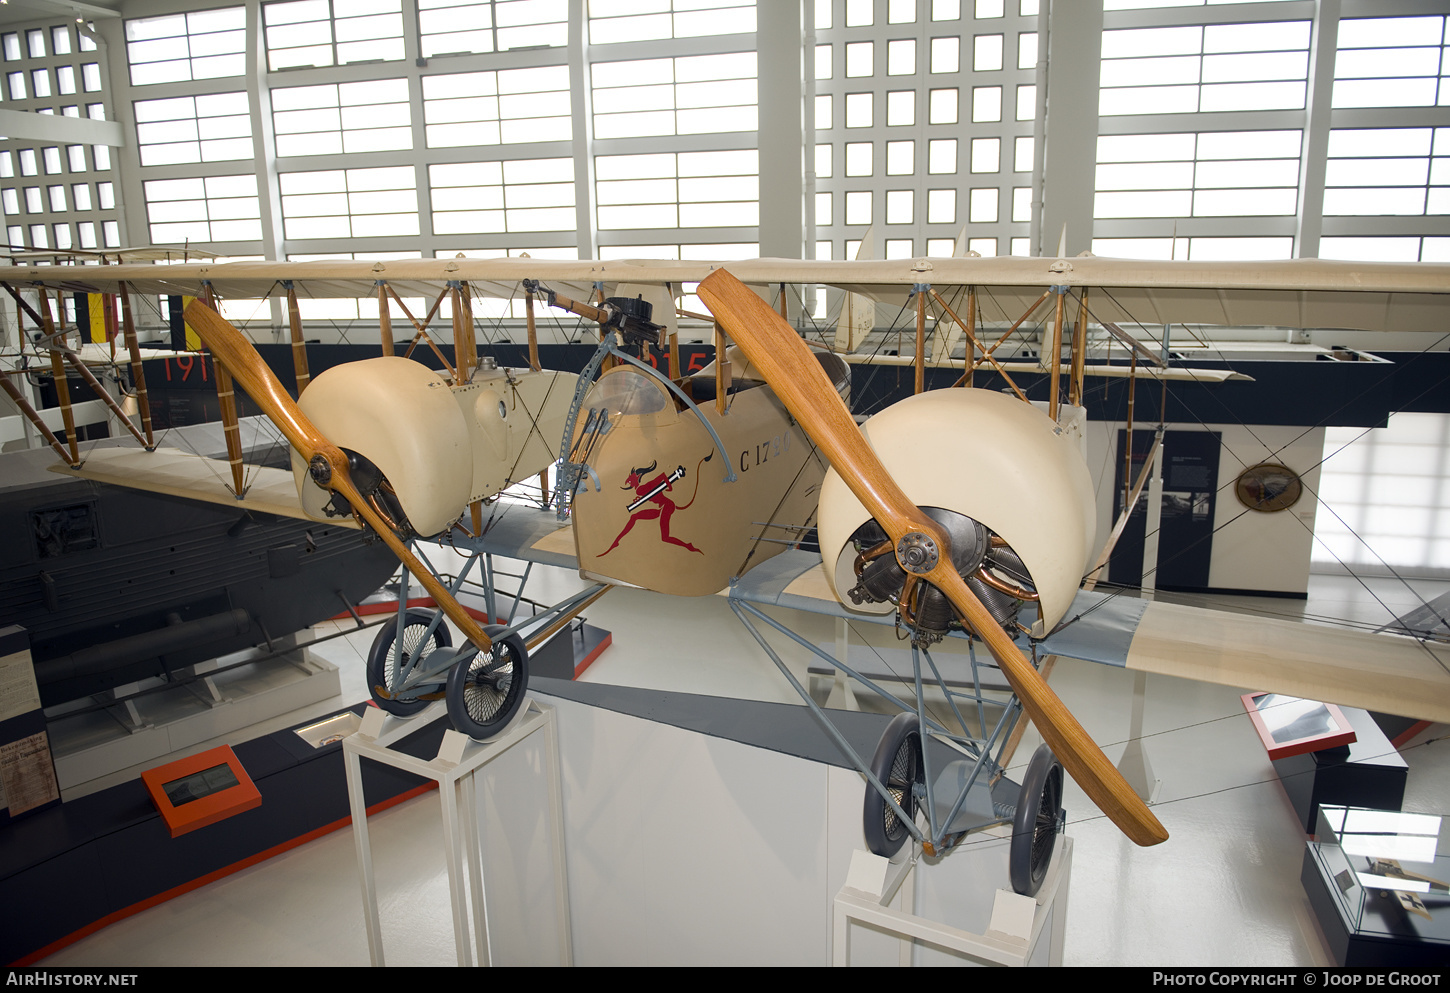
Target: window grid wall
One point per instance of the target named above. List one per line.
(314, 33)
(699, 94)
(674, 142)
(342, 118)
(202, 210)
(1387, 203)
(1391, 62)
(520, 195)
(56, 194)
(476, 27)
(924, 126)
(205, 44)
(506, 106)
(349, 203)
(505, 99)
(616, 21)
(1380, 69)
(1207, 68)
(924, 113)
(215, 127)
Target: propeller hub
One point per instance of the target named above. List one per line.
(320, 470)
(917, 552)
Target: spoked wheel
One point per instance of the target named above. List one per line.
(1034, 830)
(385, 663)
(484, 692)
(897, 764)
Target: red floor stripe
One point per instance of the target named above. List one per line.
(588, 660)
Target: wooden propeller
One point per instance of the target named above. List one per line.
(922, 547)
(326, 462)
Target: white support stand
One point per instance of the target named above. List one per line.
(1151, 526)
(1012, 936)
(459, 759)
(1134, 765)
(839, 693)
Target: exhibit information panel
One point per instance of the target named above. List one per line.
(201, 790)
(27, 770)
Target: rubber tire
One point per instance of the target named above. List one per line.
(897, 764)
(381, 653)
(1034, 829)
(479, 709)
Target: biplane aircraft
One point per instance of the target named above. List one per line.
(959, 512)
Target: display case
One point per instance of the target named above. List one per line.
(1367, 772)
(1379, 883)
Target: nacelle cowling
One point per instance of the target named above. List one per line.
(401, 416)
(991, 457)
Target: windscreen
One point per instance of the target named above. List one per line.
(626, 390)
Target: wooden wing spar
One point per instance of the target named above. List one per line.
(922, 547)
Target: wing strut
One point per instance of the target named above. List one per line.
(299, 344)
(138, 368)
(227, 396)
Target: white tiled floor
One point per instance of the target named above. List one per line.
(1224, 890)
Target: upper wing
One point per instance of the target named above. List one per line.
(1371, 296)
(1300, 293)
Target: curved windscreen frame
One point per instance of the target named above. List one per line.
(625, 390)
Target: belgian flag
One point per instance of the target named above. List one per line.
(183, 338)
(96, 316)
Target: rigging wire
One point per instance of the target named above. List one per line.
(1273, 452)
(1310, 529)
(785, 495)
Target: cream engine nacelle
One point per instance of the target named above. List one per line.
(994, 459)
(438, 446)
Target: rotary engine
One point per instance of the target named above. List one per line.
(1008, 487)
(993, 572)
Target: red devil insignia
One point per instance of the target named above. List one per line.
(651, 502)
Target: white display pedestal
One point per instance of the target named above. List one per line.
(459, 759)
(1012, 937)
(137, 732)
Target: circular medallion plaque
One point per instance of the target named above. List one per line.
(1268, 487)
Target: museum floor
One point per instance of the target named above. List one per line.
(1225, 890)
